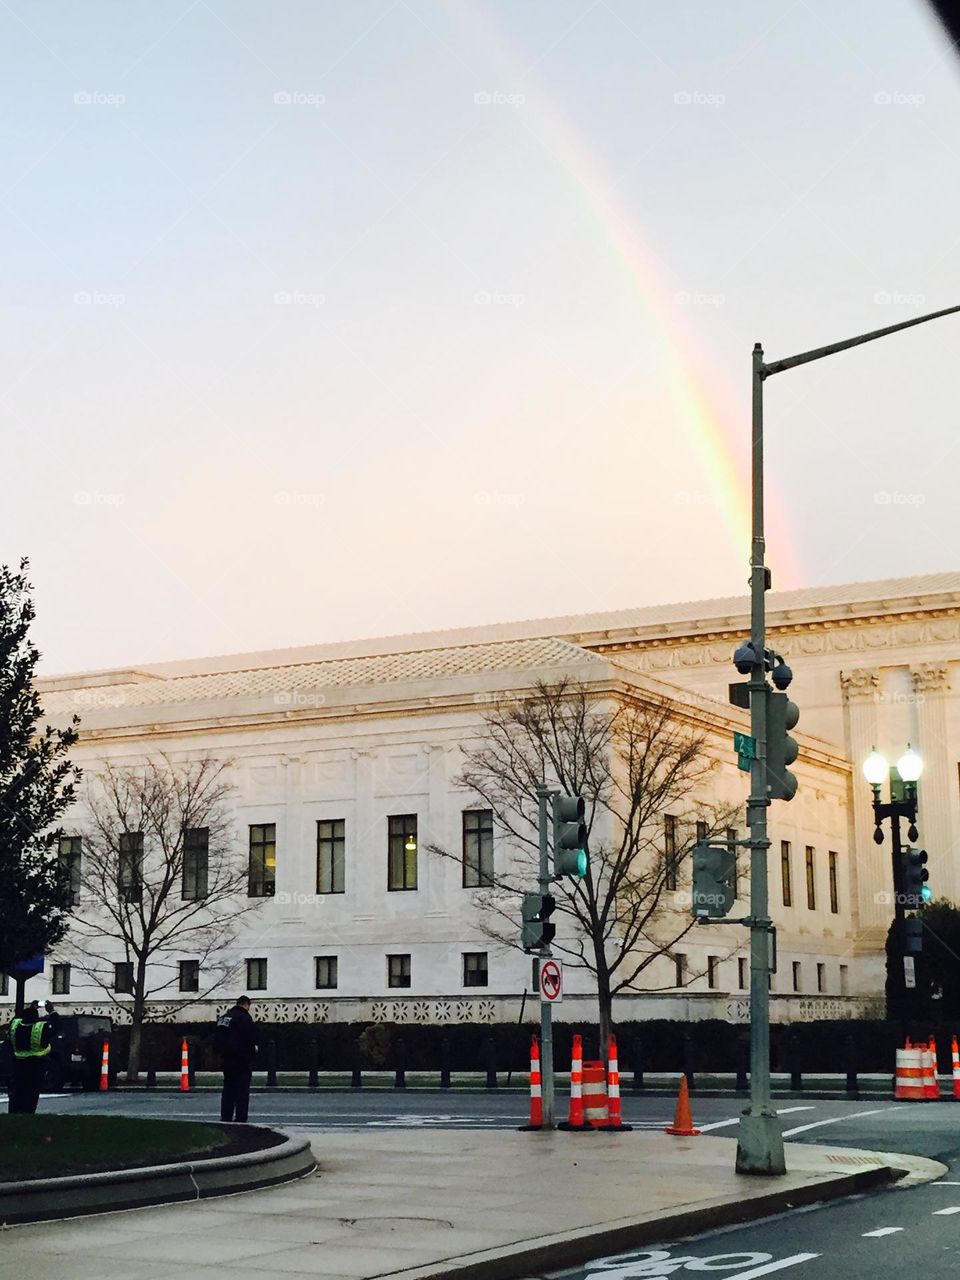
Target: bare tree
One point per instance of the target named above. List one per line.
(159, 878)
(634, 760)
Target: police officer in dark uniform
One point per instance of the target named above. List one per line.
(236, 1042)
(30, 1040)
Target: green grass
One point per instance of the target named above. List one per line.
(52, 1146)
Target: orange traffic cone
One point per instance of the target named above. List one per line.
(614, 1116)
(936, 1069)
(105, 1067)
(955, 1055)
(536, 1090)
(184, 1067)
(682, 1125)
(575, 1118)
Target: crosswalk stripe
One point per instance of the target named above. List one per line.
(881, 1231)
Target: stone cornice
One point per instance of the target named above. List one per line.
(791, 622)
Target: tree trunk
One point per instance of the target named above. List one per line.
(136, 1032)
(605, 1009)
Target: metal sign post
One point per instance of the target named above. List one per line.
(546, 1013)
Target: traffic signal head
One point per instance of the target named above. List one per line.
(569, 836)
(537, 931)
(782, 748)
(912, 936)
(914, 885)
(714, 877)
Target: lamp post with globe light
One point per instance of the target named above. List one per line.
(902, 805)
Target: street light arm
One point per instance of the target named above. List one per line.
(778, 366)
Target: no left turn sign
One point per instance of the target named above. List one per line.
(551, 981)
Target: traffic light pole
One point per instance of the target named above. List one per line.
(546, 1012)
(760, 1139)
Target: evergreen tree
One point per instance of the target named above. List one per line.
(36, 786)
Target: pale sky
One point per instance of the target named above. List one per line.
(331, 318)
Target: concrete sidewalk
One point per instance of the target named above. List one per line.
(480, 1206)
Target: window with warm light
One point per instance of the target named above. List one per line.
(262, 878)
(402, 851)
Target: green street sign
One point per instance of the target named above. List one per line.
(744, 763)
(745, 746)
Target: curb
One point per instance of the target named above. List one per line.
(52, 1198)
(538, 1257)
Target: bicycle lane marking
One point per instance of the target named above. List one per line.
(661, 1262)
(769, 1267)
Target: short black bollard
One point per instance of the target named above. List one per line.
(400, 1058)
(850, 1054)
(743, 1064)
(796, 1074)
(356, 1072)
(688, 1064)
(636, 1053)
(192, 1051)
(444, 1062)
(313, 1080)
(271, 1064)
(151, 1077)
(490, 1054)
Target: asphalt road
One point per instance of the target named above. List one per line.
(887, 1235)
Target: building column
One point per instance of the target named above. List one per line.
(869, 862)
(935, 790)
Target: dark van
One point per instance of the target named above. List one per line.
(75, 1055)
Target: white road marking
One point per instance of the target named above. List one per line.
(955, 1208)
(881, 1231)
(725, 1124)
(816, 1124)
(770, 1267)
(946, 1184)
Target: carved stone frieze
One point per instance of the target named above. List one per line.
(931, 677)
(861, 682)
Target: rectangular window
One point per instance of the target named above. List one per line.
(325, 972)
(844, 980)
(196, 866)
(130, 867)
(331, 854)
(679, 969)
(786, 876)
(123, 978)
(398, 971)
(257, 974)
(475, 969)
(796, 975)
(60, 980)
(70, 864)
(821, 978)
(713, 963)
(742, 974)
(477, 848)
(262, 879)
(701, 832)
(834, 887)
(4, 985)
(402, 852)
(670, 853)
(189, 975)
(811, 880)
(732, 837)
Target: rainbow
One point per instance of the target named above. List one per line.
(714, 422)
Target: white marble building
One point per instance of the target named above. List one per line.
(330, 743)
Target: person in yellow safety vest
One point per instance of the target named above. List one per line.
(30, 1040)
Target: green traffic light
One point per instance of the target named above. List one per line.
(582, 862)
(926, 893)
